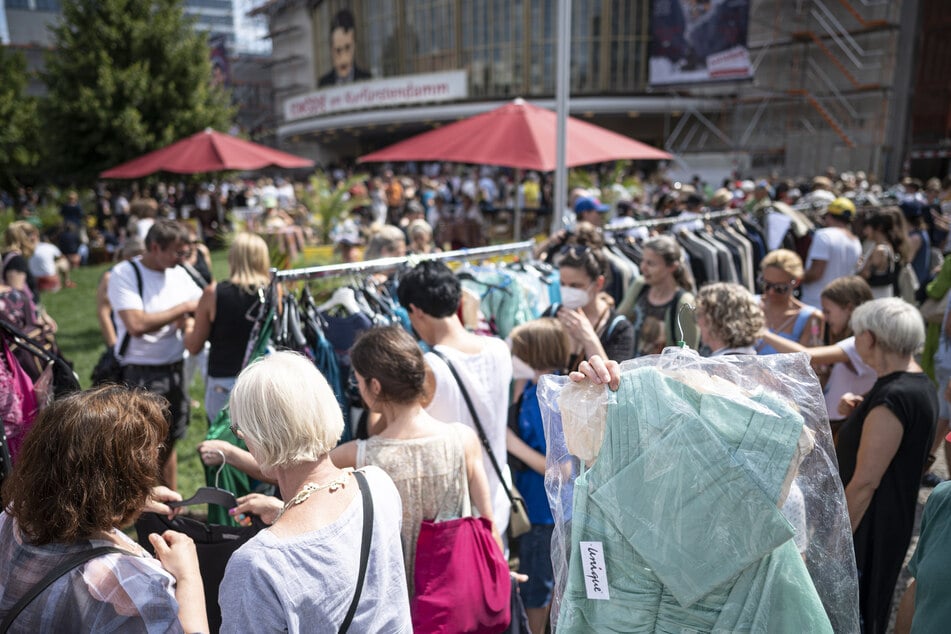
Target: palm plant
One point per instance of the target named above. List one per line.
(328, 204)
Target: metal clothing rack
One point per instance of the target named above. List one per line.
(382, 264)
(656, 222)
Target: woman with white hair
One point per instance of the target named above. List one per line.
(303, 572)
(882, 448)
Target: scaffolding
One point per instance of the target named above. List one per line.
(828, 90)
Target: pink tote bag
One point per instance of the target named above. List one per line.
(462, 579)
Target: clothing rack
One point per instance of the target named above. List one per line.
(656, 222)
(382, 264)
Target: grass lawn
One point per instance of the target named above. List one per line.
(74, 310)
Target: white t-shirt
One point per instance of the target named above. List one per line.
(43, 260)
(840, 251)
(854, 377)
(142, 227)
(487, 376)
(161, 290)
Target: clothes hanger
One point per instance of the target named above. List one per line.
(210, 495)
(344, 297)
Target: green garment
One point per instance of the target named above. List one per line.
(936, 289)
(226, 476)
(683, 499)
(931, 564)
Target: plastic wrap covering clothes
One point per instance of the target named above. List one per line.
(702, 496)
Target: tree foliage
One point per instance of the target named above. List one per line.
(126, 77)
(18, 120)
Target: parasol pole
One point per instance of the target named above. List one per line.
(563, 65)
(517, 233)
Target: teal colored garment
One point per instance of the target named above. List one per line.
(503, 300)
(931, 564)
(683, 497)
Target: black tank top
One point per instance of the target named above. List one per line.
(230, 330)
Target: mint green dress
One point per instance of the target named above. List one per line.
(683, 499)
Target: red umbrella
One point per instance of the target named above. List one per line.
(519, 135)
(207, 151)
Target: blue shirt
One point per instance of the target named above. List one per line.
(528, 482)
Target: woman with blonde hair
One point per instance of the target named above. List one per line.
(19, 243)
(729, 319)
(786, 316)
(223, 319)
(837, 362)
(302, 574)
(539, 347)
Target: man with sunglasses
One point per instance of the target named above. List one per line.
(153, 297)
(834, 252)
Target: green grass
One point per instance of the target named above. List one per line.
(74, 310)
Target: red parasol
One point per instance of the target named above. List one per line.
(518, 135)
(207, 151)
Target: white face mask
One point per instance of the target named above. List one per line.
(521, 370)
(572, 298)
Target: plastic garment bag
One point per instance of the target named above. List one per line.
(703, 494)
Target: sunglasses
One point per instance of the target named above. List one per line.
(576, 254)
(781, 289)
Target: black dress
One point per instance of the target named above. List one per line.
(882, 537)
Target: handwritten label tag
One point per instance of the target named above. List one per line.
(595, 575)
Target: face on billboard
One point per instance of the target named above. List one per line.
(341, 49)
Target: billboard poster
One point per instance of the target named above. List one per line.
(695, 41)
(220, 67)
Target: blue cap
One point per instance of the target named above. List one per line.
(912, 207)
(586, 203)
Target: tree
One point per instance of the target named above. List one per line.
(18, 148)
(126, 77)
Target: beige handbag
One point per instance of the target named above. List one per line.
(932, 310)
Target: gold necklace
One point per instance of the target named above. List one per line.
(310, 488)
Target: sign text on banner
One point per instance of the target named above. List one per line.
(393, 91)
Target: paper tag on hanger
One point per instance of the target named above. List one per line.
(595, 575)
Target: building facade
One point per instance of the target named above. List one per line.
(830, 81)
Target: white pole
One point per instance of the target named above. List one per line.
(517, 231)
(562, 88)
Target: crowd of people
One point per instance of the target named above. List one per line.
(447, 406)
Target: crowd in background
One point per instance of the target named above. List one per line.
(846, 291)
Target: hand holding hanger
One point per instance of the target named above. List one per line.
(599, 371)
(157, 502)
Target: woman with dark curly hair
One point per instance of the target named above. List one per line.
(87, 467)
(729, 318)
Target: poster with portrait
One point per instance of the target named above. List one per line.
(696, 41)
(343, 42)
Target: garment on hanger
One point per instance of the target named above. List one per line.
(680, 518)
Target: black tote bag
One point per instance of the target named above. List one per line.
(215, 544)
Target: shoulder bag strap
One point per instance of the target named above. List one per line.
(478, 424)
(125, 339)
(614, 323)
(673, 316)
(364, 548)
(72, 562)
